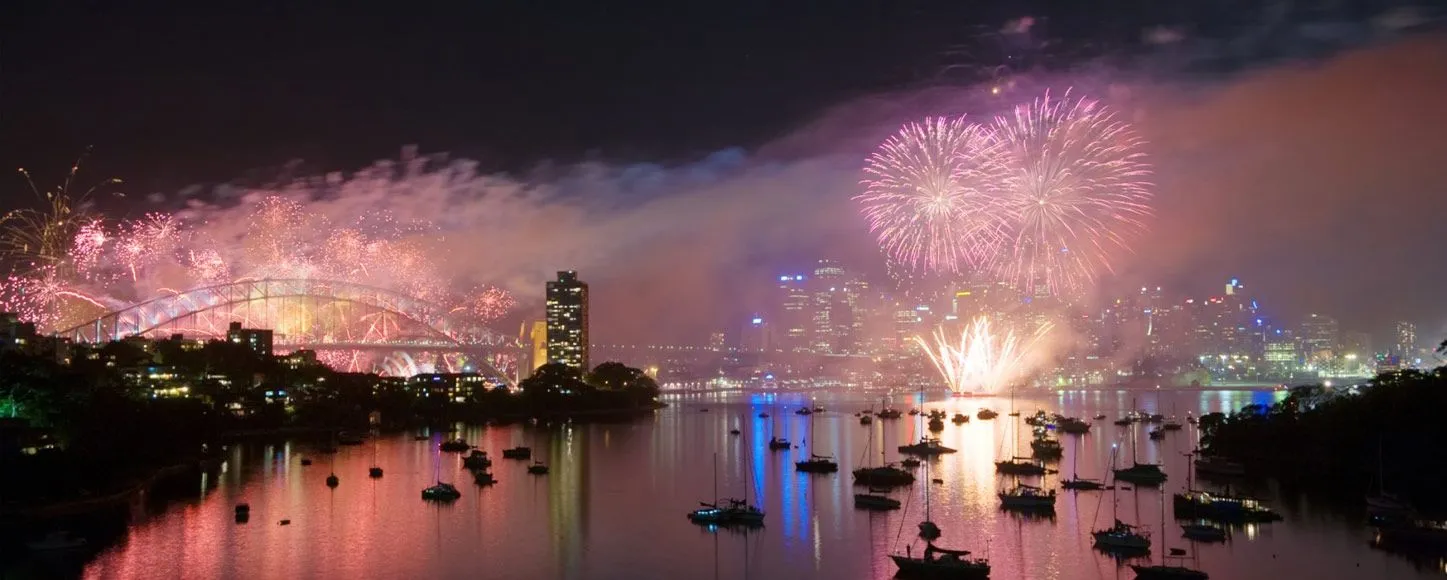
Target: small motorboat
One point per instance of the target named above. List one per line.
(875, 501)
(305, 461)
(1203, 532)
(374, 472)
(537, 468)
(57, 541)
(441, 492)
(779, 444)
(483, 477)
(333, 480)
(455, 445)
(960, 419)
(476, 459)
(518, 452)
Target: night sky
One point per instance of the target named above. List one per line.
(1295, 149)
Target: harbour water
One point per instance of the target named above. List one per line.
(613, 505)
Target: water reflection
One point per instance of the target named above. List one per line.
(614, 501)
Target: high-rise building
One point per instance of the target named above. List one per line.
(1406, 339)
(832, 317)
(756, 335)
(717, 340)
(258, 340)
(567, 308)
(1319, 338)
(793, 316)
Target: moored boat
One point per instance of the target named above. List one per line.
(441, 492)
(926, 447)
(941, 563)
(883, 476)
(875, 501)
(1027, 497)
(1122, 537)
(455, 445)
(1203, 532)
(817, 464)
(1141, 474)
(1020, 466)
(519, 452)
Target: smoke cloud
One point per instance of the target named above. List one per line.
(1314, 182)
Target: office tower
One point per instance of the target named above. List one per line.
(258, 340)
(1319, 338)
(1406, 345)
(567, 310)
(793, 314)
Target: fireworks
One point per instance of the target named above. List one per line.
(981, 359)
(63, 260)
(927, 191)
(1074, 193)
(1044, 196)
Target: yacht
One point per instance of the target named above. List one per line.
(960, 419)
(1122, 537)
(1020, 466)
(454, 445)
(986, 415)
(936, 424)
(441, 492)
(1046, 448)
(483, 477)
(1081, 484)
(889, 414)
(538, 468)
(1027, 497)
(817, 464)
(477, 459)
(1073, 426)
(779, 444)
(1197, 504)
(941, 563)
(927, 446)
(519, 452)
(1142, 474)
(1203, 532)
(883, 476)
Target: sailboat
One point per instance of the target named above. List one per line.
(332, 480)
(1384, 506)
(443, 492)
(727, 511)
(1199, 504)
(927, 528)
(882, 476)
(1017, 465)
(1164, 571)
(1140, 473)
(1076, 482)
(941, 563)
(816, 463)
(374, 471)
(1120, 537)
(779, 443)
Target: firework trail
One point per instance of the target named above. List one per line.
(43, 237)
(982, 359)
(928, 195)
(1074, 192)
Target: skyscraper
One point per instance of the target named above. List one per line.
(568, 321)
(1406, 339)
(793, 317)
(1319, 338)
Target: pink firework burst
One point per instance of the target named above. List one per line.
(928, 197)
(1075, 192)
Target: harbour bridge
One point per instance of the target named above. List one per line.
(358, 326)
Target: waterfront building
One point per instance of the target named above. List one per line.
(567, 317)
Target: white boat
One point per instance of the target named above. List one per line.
(57, 541)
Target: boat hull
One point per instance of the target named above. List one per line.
(919, 568)
(1168, 573)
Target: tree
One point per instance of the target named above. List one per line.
(554, 379)
(618, 377)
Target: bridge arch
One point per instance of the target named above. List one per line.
(303, 313)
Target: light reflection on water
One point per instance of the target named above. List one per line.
(613, 505)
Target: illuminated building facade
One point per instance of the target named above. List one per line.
(567, 313)
(539, 338)
(1319, 337)
(793, 315)
(258, 340)
(1406, 345)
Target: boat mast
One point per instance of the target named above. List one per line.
(715, 476)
